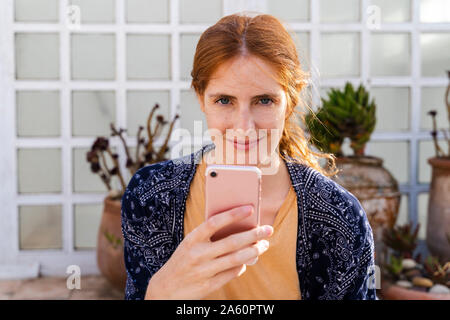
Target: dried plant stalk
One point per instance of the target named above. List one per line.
(433, 113)
(101, 147)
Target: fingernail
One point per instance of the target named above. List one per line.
(268, 230)
(242, 211)
(264, 231)
(264, 244)
(252, 262)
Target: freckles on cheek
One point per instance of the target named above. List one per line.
(217, 122)
(273, 121)
(276, 123)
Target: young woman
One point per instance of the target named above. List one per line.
(314, 240)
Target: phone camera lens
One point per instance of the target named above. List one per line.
(213, 174)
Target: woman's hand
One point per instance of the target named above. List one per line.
(199, 266)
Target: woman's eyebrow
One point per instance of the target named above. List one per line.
(269, 94)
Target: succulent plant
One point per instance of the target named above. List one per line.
(394, 267)
(402, 239)
(346, 113)
(437, 271)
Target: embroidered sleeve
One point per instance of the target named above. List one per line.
(138, 275)
(342, 252)
(362, 285)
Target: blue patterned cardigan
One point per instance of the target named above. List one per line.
(335, 248)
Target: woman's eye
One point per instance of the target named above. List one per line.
(268, 100)
(221, 99)
(264, 101)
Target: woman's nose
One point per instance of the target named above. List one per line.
(244, 121)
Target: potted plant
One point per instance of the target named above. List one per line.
(406, 277)
(350, 114)
(110, 239)
(438, 220)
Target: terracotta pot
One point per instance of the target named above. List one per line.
(438, 221)
(110, 259)
(391, 291)
(376, 189)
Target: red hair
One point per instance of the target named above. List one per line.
(263, 36)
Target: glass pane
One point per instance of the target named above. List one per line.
(38, 113)
(37, 56)
(393, 108)
(139, 106)
(301, 40)
(144, 11)
(390, 54)
(184, 150)
(289, 10)
(394, 11)
(422, 214)
(187, 46)
(339, 11)
(307, 99)
(395, 156)
(427, 151)
(191, 114)
(143, 61)
(40, 227)
(132, 151)
(84, 180)
(176, 151)
(403, 216)
(339, 54)
(324, 92)
(93, 57)
(157, 147)
(96, 11)
(36, 10)
(39, 170)
(87, 219)
(200, 11)
(434, 11)
(93, 112)
(435, 52)
(433, 99)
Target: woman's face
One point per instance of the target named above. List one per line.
(244, 103)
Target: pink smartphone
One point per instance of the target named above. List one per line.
(229, 186)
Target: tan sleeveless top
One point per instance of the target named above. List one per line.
(274, 276)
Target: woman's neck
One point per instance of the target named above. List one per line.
(275, 178)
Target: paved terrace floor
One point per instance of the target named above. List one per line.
(46, 288)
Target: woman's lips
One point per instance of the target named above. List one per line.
(244, 145)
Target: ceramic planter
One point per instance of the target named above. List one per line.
(438, 221)
(110, 257)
